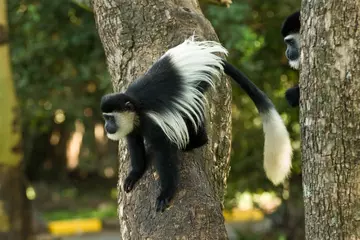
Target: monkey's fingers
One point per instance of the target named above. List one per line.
(162, 204)
(130, 182)
(164, 199)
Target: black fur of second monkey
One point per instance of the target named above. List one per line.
(291, 25)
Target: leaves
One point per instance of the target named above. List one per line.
(55, 53)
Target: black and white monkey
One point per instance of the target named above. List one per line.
(290, 31)
(166, 108)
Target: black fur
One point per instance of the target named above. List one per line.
(158, 86)
(291, 24)
(292, 96)
(165, 161)
(262, 102)
(136, 147)
(152, 92)
(117, 103)
(197, 139)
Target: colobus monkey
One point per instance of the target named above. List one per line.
(165, 107)
(290, 30)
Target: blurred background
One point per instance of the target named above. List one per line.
(70, 167)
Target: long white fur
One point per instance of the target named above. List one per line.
(191, 58)
(296, 37)
(277, 147)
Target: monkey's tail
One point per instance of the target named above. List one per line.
(277, 147)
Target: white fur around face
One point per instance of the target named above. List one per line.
(125, 122)
(296, 37)
(277, 148)
(191, 58)
(295, 64)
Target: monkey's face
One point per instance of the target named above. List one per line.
(119, 124)
(293, 50)
(119, 114)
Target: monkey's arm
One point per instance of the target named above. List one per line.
(135, 143)
(292, 96)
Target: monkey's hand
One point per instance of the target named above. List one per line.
(292, 96)
(131, 180)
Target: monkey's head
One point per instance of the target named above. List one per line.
(290, 31)
(120, 115)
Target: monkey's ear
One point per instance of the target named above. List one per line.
(129, 106)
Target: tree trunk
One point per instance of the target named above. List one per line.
(134, 35)
(15, 218)
(330, 118)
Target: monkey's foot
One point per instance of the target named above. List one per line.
(130, 181)
(163, 201)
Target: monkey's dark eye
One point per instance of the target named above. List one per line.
(108, 117)
(129, 106)
(290, 41)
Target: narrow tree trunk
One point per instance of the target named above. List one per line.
(330, 118)
(14, 207)
(134, 35)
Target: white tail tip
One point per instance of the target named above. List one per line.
(277, 148)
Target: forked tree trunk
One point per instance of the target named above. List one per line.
(134, 35)
(15, 221)
(330, 118)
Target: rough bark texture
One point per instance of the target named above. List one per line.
(330, 118)
(134, 35)
(87, 4)
(15, 219)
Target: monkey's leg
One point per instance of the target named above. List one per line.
(197, 139)
(166, 160)
(135, 143)
(292, 96)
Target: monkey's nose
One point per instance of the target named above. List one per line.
(292, 55)
(110, 128)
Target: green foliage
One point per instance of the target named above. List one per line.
(59, 63)
(57, 58)
(105, 212)
(59, 70)
(250, 30)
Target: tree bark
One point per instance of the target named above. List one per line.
(87, 4)
(15, 221)
(330, 118)
(134, 35)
